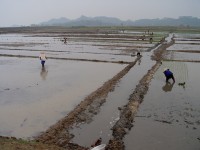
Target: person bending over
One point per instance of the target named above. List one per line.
(168, 74)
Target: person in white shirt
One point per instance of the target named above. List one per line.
(43, 58)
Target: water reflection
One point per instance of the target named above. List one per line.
(180, 70)
(168, 86)
(139, 61)
(43, 73)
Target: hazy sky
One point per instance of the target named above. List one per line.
(26, 12)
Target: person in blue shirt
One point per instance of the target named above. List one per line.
(168, 74)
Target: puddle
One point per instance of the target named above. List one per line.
(100, 125)
(32, 99)
(169, 116)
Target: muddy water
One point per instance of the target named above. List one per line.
(20, 44)
(54, 43)
(32, 98)
(183, 56)
(187, 35)
(187, 48)
(169, 116)
(101, 124)
(184, 47)
(186, 42)
(72, 55)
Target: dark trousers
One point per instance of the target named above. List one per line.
(42, 62)
(170, 77)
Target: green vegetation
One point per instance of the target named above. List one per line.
(106, 29)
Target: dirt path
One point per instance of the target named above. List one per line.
(88, 60)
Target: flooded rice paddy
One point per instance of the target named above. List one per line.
(183, 56)
(88, 82)
(101, 124)
(32, 98)
(29, 45)
(169, 116)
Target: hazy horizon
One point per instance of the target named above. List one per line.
(27, 12)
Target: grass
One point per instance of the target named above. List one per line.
(15, 144)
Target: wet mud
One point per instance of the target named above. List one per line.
(128, 111)
(75, 50)
(36, 97)
(59, 134)
(169, 116)
(74, 59)
(100, 125)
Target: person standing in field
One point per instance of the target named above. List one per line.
(168, 74)
(43, 58)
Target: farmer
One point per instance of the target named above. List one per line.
(168, 74)
(42, 58)
(65, 40)
(138, 54)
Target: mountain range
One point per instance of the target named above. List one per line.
(111, 21)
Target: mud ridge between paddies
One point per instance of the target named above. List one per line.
(128, 112)
(54, 51)
(194, 61)
(75, 59)
(185, 51)
(58, 133)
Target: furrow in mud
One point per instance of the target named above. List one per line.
(58, 134)
(55, 51)
(185, 51)
(128, 112)
(195, 61)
